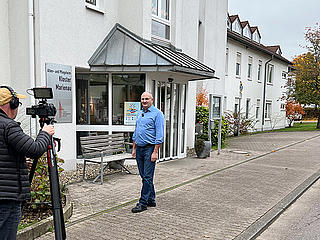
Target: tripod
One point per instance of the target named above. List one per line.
(59, 226)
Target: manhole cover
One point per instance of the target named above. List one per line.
(239, 152)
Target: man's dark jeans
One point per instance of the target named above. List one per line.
(10, 215)
(146, 170)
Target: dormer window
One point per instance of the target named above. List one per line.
(160, 27)
(228, 24)
(237, 27)
(247, 32)
(256, 37)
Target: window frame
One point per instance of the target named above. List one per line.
(238, 65)
(250, 60)
(270, 75)
(259, 71)
(248, 100)
(157, 17)
(268, 108)
(96, 6)
(258, 108)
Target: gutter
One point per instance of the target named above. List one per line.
(264, 91)
(32, 79)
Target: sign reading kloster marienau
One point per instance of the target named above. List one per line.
(59, 78)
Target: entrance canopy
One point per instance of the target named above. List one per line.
(123, 51)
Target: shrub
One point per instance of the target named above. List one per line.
(40, 186)
(202, 116)
(233, 122)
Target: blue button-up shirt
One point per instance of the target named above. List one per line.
(149, 127)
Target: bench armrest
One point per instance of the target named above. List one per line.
(127, 143)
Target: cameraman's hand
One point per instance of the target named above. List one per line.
(48, 128)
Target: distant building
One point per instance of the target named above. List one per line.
(262, 72)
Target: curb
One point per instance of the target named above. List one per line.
(258, 227)
(40, 228)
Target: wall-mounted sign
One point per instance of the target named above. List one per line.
(131, 110)
(59, 78)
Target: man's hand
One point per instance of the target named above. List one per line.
(133, 153)
(49, 129)
(29, 163)
(154, 156)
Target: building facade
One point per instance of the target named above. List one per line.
(255, 76)
(107, 53)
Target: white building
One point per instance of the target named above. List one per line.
(133, 46)
(262, 72)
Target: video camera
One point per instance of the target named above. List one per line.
(43, 109)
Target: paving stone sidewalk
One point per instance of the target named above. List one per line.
(212, 198)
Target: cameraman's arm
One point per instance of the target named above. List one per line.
(24, 144)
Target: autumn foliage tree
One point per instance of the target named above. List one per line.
(293, 111)
(202, 98)
(306, 72)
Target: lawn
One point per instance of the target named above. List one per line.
(297, 126)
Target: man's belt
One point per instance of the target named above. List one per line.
(147, 145)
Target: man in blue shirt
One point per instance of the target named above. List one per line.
(147, 138)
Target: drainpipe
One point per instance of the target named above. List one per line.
(32, 79)
(264, 91)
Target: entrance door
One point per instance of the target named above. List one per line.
(170, 99)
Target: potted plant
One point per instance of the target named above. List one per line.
(202, 146)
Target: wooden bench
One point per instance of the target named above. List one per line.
(103, 149)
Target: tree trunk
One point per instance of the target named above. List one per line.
(318, 123)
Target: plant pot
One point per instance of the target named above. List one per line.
(202, 148)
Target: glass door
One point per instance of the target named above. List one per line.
(170, 99)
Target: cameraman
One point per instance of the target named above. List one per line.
(15, 146)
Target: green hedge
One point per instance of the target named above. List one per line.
(202, 117)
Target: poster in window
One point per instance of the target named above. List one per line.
(131, 110)
(59, 78)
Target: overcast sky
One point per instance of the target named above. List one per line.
(280, 22)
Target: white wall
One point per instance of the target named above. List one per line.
(4, 44)
(252, 88)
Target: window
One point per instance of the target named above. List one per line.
(267, 113)
(93, 2)
(247, 32)
(249, 68)
(125, 88)
(238, 64)
(160, 26)
(236, 105)
(257, 108)
(284, 75)
(237, 27)
(283, 106)
(256, 37)
(247, 108)
(227, 61)
(96, 5)
(92, 99)
(270, 73)
(259, 70)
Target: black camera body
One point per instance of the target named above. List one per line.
(43, 109)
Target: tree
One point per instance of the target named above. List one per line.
(202, 98)
(306, 72)
(293, 111)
